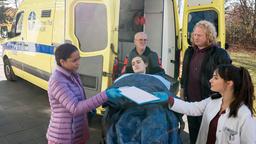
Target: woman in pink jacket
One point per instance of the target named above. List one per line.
(68, 122)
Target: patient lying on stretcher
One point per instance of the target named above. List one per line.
(126, 122)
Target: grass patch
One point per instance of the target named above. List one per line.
(246, 59)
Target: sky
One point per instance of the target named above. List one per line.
(181, 2)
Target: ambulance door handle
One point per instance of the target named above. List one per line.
(112, 47)
(172, 61)
(106, 74)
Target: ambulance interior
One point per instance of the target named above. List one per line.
(155, 17)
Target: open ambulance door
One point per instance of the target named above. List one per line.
(90, 25)
(162, 28)
(171, 39)
(196, 10)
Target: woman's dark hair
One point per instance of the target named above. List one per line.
(243, 86)
(144, 59)
(64, 51)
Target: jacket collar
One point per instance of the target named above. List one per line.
(210, 47)
(62, 70)
(196, 49)
(145, 53)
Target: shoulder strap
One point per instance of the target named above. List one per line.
(124, 65)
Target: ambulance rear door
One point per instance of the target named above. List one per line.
(162, 28)
(196, 10)
(91, 26)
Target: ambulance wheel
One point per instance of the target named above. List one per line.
(9, 74)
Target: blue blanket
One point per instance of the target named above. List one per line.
(128, 123)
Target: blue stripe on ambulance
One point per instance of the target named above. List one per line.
(30, 47)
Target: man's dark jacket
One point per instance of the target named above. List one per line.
(214, 57)
(153, 63)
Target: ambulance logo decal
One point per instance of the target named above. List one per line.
(31, 20)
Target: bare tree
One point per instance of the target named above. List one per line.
(241, 22)
(6, 12)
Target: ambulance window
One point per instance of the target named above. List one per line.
(17, 25)
(91, 26)
(195, 17)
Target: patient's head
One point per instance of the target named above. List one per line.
(139, 64)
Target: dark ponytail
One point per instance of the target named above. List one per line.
(247, 89)
(243, 87)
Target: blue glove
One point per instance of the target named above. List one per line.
(113, 93)
(162, 95)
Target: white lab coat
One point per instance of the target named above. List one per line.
(239, 130)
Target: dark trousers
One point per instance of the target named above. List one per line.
(193, 126)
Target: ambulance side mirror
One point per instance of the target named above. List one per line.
(4, 32)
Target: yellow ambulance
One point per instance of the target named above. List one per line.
(103, 30)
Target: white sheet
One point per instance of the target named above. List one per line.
(137, 95)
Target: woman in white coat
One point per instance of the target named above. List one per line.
(227, 114)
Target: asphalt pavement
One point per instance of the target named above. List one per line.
(25, 113)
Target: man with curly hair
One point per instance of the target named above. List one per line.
(199, 62)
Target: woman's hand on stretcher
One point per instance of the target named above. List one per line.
(163, 97)
(113, 94)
